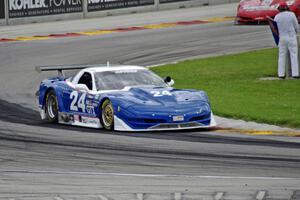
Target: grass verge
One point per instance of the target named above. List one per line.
(235, 89)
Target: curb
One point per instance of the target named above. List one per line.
(258, 132)
(116, 30)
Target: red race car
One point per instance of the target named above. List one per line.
(256, 11)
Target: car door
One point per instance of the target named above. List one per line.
(80, 99)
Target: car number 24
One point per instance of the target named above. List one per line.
(79, 102)
(161, 93)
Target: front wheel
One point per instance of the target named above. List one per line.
(236, 21)
(51, 107)
(107, 115)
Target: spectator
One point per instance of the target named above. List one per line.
(287, 27)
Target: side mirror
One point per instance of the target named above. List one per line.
(81, 87)
(169, 81)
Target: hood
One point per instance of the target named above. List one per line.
(257, 5)
(160, 98)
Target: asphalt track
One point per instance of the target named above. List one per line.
(46, 161)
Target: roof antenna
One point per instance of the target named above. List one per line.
(107, 64)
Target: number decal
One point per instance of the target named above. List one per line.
(155, 93)
(161, 93)
(166, 93)
(80, 103)
(74, 97)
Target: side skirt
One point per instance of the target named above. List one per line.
(79, 120)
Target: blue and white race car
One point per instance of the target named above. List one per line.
(122, 98)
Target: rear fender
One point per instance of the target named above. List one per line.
(43, 94)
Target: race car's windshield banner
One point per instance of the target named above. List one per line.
(96, 5)
(170, 1)
(2, 9)
(29, 8)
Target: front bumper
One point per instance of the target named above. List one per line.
(120, 125)
(248, 20)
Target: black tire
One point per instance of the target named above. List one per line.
(107, 115)
(51, 107)
(236, 22)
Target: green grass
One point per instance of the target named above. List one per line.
(235, 90)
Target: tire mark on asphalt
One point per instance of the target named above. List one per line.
(16, 113)
(186, 155)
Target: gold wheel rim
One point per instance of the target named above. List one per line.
(108, 115)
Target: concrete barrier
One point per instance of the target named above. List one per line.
(120, 11)
(214, 2)
(183, 4)
(59, 17)
(160, 6)
(23, 16)
(2, 22)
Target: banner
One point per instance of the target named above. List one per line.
(96, 5)
(30, 8)
(274, 30)
(2, 9)
(171, 1)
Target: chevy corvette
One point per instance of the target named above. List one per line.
(122, 98)
(256, 11)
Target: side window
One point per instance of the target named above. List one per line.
(86, 79)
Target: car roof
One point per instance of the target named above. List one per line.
(102, 68)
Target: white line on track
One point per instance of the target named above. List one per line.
(147, 175)
(261, 195)
(101, 197)
(140, 196)
(58, 198)
(177, 196)
(219, 196)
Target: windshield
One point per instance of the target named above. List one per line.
(117, 80)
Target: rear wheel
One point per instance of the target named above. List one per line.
(51, 107)
(107, 115)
